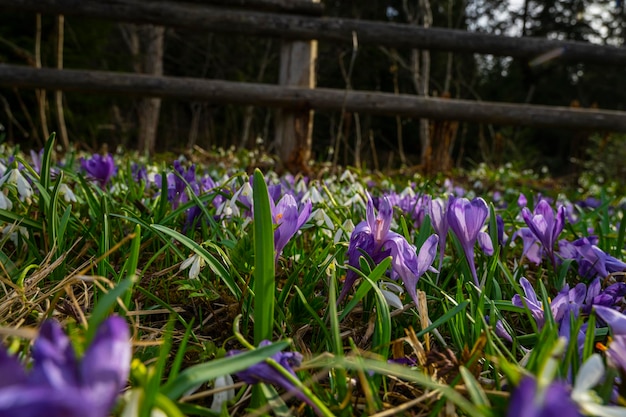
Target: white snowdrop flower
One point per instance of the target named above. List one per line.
(5, 202)
(301, 186)
(407, 192)
(246, 190)
(67, 193)
(320, 218)
(15, 177)
(3, 169)
(390, 292)
(356, 199)
(12, 231)
(347, 176)
(132, 399)
(195, 263)
(222, 397)
(345, 230)
(313, 195)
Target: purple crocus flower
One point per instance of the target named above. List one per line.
(593, 261)
(545, 225)
(287, 220)
(60, 385)
(263, 372)
(439, 220)
(466, 218)
(374, 237)
(530, 400)
(567, 301)
(530, 245)
(99, 167)
(139, 172)
(522, 201)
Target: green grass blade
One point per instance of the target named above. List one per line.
(133, 261)
(264, 279)
(104, 305)
(443, 319)
(199, 374)
(10, 217)
(476, 392)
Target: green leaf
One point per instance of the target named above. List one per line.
(264, 278)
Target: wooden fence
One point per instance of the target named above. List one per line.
(298, 98)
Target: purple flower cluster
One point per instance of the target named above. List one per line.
(570, 302)
(374, 237)
(592, 261)
(545, 225)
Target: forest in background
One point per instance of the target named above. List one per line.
(93, 120)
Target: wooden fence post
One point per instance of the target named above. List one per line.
(294, 128)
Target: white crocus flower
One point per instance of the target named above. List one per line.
(222, 397)
(5, 202)
(590, 375)
(15, 177)
(196, 262)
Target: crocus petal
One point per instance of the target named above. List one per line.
(438, 217)
(617, 352)
(383, 220)
(529, 291)
(615, 319)
(404, 262)
(54, 358)
(107, 360)
(427, 254)
(305, 213)
(11, 370)
(37, 401)
(475, 215)
(485, 243)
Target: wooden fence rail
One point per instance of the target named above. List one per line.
(288, 26)
(302, 99)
